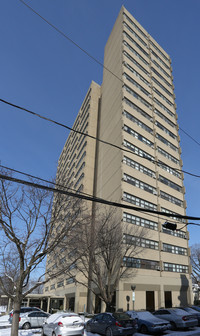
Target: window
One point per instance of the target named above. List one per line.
(137, 121)
(129, 218)
(81, 150)
(140, 87)
(70, 280)
(52, 286)
(87, 98)
(163, 97)
(135, 52)
(166, 142)
(160, 59)
(138, 136)
(136, 63)
(169, 169)
(134, 33)
(141, 263)
(134, 25)
(81, 167)
(60, 284)
(162, 86)
(138, 109)
(170, 183)
(135, 165)
(167, 155)
(138, 151)
(161, 77)
(171, 199)
(135, 95)
(162, 116)
(160, 52)
(139, 184)
(168, 267)
(137, 241)
(82, 157)
(164, 107)
(136, 73)
(164, 129)
(180, 234)
(159, 67)
(136, 44)
(139, 201)
(174, 217)
(79, 179)
(174, 249)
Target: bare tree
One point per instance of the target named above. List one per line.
(32, 224)
(195, 261)
(100, 246)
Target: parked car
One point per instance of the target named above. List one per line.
(23, 310)
(197, 308)
(193, 312)
(148, 323)
(32, 319)
(110, 324)
(64, 324)
(177, 317)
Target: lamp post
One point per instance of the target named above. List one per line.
(133, 294)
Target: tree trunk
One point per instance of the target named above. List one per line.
(109, 307)
(15, 320)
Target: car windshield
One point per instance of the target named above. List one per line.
(189, 310)
(179, 311)
(121, 316)
(144, 314)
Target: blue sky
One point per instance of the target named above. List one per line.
(44, 72)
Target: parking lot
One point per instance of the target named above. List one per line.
(5, 330)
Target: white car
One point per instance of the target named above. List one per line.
(63, 324)
(32, 319)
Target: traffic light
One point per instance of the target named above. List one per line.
(170, 226)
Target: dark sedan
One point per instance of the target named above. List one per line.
(193, 312)
(148, 323)
(111, 324)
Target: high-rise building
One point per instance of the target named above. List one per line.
(135, 109)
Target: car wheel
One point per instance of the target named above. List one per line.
(173, 326)
(88, 328)
(143, 329)
(42, 332)
(26, 326)
(109, 332)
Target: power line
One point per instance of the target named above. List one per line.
(198, 143)
(65, 187)
(91, 198)
(69, 39)
(41, 179)
(88, 54)
(92, 137)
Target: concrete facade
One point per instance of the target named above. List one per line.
(134, 109)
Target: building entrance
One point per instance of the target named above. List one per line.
(168, 299)
(150, 301)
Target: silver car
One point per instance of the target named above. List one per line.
(65, 324)
(32, 319)
(177, 317)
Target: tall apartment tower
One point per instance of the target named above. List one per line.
(137, 112)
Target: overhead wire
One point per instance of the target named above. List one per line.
(97, 61)
(93, 137)
(87, 53)
(81, 192)
(92, 199)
